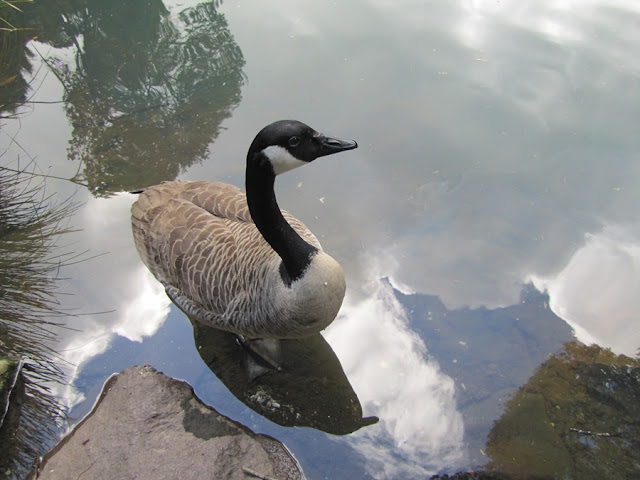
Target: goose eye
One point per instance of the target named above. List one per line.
(294, 141)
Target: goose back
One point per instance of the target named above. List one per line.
(200, 242)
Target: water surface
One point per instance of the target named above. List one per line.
(488, 217)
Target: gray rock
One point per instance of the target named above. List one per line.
(146, 425)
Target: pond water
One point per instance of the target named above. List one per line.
(489, 216)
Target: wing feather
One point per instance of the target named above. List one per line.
(198, 239)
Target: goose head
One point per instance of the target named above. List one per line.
(288, 144)
(278, 148)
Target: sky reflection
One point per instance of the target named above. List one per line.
(396, 380)
(112, 294)
(597, 291)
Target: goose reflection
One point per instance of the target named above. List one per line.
(308, 389)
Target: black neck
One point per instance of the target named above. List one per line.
(296, 254)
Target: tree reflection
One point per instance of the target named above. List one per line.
(147, 91)
(577, 417)
(29, 260)
(15, 60)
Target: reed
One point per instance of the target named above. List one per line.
(7, 9)
(31, 225)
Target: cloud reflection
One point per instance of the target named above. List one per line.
(127, 300)
(395, 379)
(597, 291)
(525, 141)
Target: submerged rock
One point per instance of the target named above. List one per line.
(576, 417)
(146, 425)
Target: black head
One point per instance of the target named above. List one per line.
(288, 144)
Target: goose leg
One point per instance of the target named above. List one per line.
(262, 355)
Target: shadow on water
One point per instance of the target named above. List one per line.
(30, 226)
(145, 91)
(310, 389)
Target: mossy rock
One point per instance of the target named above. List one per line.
(577, 417)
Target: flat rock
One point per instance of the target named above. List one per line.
(146, 425)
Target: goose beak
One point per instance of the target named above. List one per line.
(330, 145)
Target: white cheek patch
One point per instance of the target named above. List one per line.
(281, 159)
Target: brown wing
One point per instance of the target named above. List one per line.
(199, 238)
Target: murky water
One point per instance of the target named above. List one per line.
(499, 158)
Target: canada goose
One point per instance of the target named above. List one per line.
(235, 261)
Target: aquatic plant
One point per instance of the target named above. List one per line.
(6, 7)
(15, 57)
(31, 224)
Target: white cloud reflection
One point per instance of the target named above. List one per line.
(125, 297)
(480, 18)
(597, 291)
(388, 366)
(540, 147)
